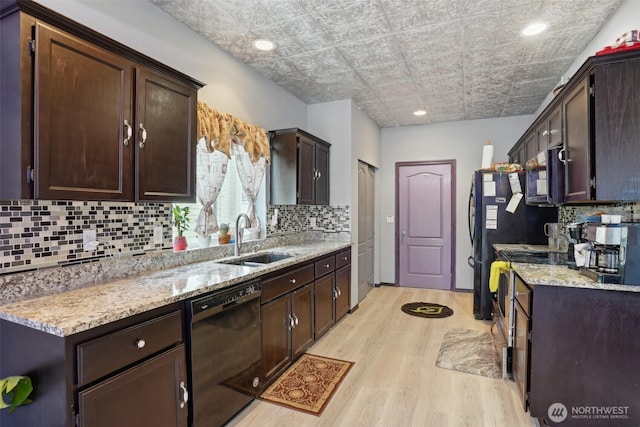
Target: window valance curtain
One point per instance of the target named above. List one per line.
(223, 136)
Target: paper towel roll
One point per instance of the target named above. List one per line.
(487, 156)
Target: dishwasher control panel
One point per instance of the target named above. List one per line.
(225, 297)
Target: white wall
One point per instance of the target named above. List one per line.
(231, 86)
(331, 121)
(625, 18)
(461, 141)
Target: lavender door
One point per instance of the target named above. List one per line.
(424, 253)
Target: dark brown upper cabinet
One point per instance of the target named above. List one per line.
(595, 118)
(86, 118)
(299, 168)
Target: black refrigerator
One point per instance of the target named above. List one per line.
(498, 214)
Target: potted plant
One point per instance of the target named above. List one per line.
(181, 223)
(223, 234)
(15, 392)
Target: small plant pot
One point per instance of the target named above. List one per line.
(224, 239)
(204, 241)
(179, 243)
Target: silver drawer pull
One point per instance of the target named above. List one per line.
(345, 258)
(140, 343)
(293, 281)
(326, 266)
(185, 394)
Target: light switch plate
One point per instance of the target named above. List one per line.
(389, 218)
(157, 235)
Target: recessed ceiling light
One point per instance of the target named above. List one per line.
(263, 44)
(533, 29)
(419, 113)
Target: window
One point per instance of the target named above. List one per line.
(231, 202)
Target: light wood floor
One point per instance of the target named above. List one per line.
(394, 381)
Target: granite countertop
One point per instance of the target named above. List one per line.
(555, 275)
(69, 312)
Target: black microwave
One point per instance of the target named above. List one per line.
(545, 183)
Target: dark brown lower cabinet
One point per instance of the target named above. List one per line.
(287, 330)
(325, 307)
(343, 291)
(302, 313)
(151, 394)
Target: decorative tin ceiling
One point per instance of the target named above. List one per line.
(456, 59)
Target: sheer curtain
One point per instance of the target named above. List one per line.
(251, 175)
(210, 172)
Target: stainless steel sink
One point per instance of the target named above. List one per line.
(257, 260)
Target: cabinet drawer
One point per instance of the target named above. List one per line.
(523, 295)
(101, 356)
(325, 265)
(343, 258)
(280, 285)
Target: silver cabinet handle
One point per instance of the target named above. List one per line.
(335, 293)
(140, 343)
(295, 320)
(345, 258)
(561, 156)
(327, 265)
(339, 291)
(143, 135)
(128, 132)
(185, 395)
(319, 174)
(293, 281)
(292, 323)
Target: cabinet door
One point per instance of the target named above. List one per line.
(322, 177)
(148, 395)
(276, 333)
(302, 313)
(165, 130)
(617, 133)
(531, 146)
(577, 143)
(521, 352)
(82, 98)
(306, 171)
(542, 136)
(343, 290)
(325, 304)
(555, 128)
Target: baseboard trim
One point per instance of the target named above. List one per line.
(385, 284)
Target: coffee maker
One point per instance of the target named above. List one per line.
(613, 255)
(603, 253)
(574, 237)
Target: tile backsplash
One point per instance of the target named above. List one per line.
(36, 233)
(41, 233)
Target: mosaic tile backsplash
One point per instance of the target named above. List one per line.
(38, 234)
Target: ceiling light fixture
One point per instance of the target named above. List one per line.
(263, 44)
(534, 28)
(419, 113)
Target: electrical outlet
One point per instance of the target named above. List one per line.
(89, 239)
(157, 235)
(312, 222)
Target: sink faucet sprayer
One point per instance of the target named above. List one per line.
(238, 243)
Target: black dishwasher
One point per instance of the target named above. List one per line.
(225, 366)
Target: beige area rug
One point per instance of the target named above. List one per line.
(465, 350)
(308, 384)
